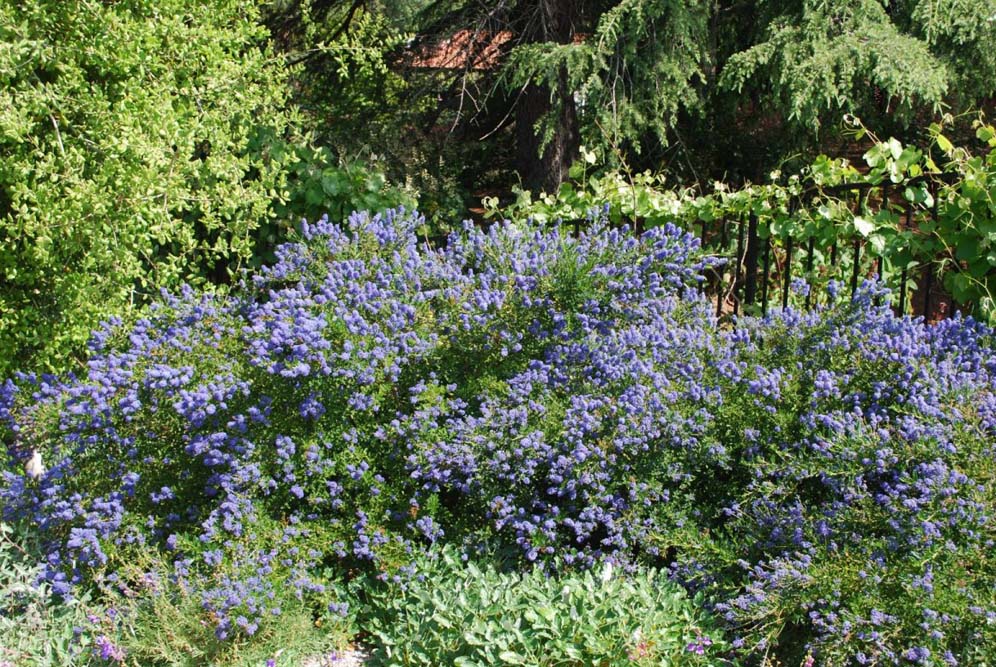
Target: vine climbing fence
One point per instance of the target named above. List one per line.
(760, 267)
(921, 222)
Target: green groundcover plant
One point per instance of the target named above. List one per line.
(822, 482)
(457, 613)
(35, 630)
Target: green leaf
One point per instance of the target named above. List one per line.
(895, 148)
(314, 195)
(873, 157)
(967, 248)
(512, 658)
(908, 157)
(877, 242)
(332, 183)
(442, 620)
(863, 226)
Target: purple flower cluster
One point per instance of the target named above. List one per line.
(572, 398)
(107, 650)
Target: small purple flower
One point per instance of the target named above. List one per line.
(699, 645)
(107, 650)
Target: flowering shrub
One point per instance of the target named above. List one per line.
(303, 419)
(825, 478)
(858, 490)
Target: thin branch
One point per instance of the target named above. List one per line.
(349, 19)
(501, 123)
(58, 135)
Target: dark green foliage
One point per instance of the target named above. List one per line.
(355, 94)
(960, 33)
(637, 64)
(712, 89)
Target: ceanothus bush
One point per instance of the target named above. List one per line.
(850, 516)
(824, 479)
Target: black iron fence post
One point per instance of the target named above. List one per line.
(788, 272)
(857, 249)
(767, 265)
(738, 276)
(810, 253)
(750, 261)
(903, 275)
(719, 283)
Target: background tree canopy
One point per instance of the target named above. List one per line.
(706, 88)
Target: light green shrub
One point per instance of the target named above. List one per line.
(470, 615)
(144, 144)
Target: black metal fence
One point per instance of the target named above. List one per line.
(752, 275)
(759, 270)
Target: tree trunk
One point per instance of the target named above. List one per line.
(544, 166)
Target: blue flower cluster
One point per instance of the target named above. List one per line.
(825, 478)
(863, 484)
